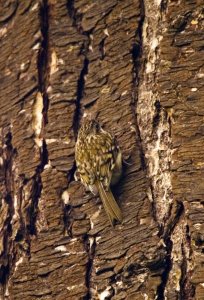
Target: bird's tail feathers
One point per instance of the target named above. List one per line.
(111, 207)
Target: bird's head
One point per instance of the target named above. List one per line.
(89, 127)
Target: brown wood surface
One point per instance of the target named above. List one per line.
(138, 66)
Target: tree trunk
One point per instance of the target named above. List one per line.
(138, 66)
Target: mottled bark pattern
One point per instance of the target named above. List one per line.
(138, 66)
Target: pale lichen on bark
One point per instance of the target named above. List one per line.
(152, 119)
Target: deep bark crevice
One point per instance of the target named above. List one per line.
(76, 21)
(187, 289)
(43, 58)
(153, 206)
(74, 15)
(8, 256)
(33, 209)
(43, 71)
(80, 93)
(156, 118)
(67, 210)
(91, 254)
(137, 58)
(176, 213)
(167, 269)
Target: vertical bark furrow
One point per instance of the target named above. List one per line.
(173, 78)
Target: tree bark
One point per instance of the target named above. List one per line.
(138, 66)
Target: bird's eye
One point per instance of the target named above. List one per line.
(97, 126)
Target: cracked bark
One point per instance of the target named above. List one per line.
(138, 66)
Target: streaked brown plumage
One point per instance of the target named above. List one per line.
(99, 164)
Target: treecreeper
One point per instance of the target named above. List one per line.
(99, 164)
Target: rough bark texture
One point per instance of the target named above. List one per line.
(138, 65)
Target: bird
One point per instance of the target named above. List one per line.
(99, 164)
